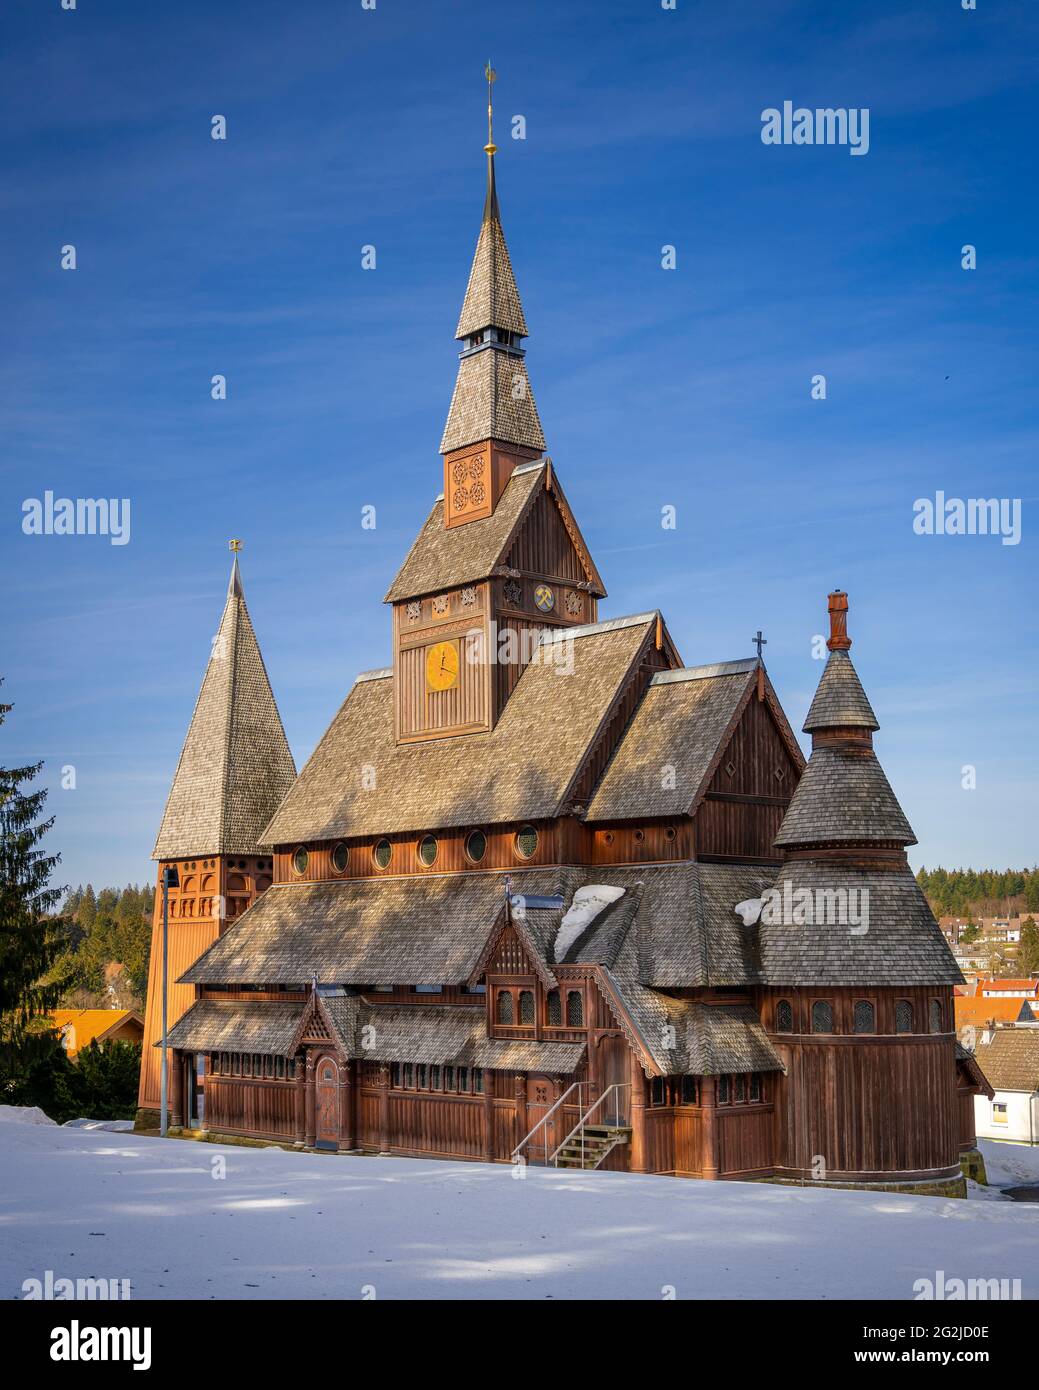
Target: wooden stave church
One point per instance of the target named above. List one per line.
(391, 916)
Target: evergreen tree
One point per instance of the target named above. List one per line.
(1028, 951)
(32, 940)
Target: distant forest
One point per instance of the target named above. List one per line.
(109, 940)
(973, 893)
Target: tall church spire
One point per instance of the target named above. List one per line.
(235, 766)
(492, 401)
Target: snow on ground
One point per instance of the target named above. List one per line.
(1007, 1165)
(88, 1204)
(24, 1115)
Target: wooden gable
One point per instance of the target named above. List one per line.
(750, 783)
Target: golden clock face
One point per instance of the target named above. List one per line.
(442, 666)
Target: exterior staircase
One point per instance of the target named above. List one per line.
(588, 1146)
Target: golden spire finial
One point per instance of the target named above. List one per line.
(234, 545)
(490, 74)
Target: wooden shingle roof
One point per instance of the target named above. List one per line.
(239, 1025)
(491, 296)
(443, 559)
(492, 399)
(843, 795)
(840, 701)
(679, 724)
(902, 943)
(521, 770)
(235, 766)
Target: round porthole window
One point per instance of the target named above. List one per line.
(476, 845)
(300, 861)
(670, 833)
(427, 850)
(640, 835)
(527, 842)
(340, 858)
(383, 853)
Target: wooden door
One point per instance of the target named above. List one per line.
(541, 1096)
(614, 1070)
(327, 1103)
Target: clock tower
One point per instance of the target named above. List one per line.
(500, 557)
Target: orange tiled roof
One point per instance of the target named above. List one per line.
(981, 1011)
(82, 1026)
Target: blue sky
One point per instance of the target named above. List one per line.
(688, 387)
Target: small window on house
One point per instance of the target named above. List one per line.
(395, 1074)
(382, 854)
(428, 989)
(449, 1079)
(340, 858)
(475, 846)
(526, 1006)
(504, 1014)
(740, 1089)
(903, 1016)
(463, 1078)
(574, 1008)
(657, 1091)
(554, 1008)
(690, 1091)
(822, 1017)
(281, 1068)
(784, 1017)
(527, 842)
(427, 850)
(934, 1015)
(865, 1017)
(724, 1090)
(300, 861)
(420, 1076)
(434, 1078)
(407, 1079)
(999, 1112)
(478, 1081)
(755, 1088)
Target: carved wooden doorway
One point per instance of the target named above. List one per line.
(614, 1071)
(326, 1084)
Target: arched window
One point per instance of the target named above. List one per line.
(574, 1008)
(526, 1007)
(784, 1017)
(903, 1016)
(555, 1008)
(865, 1017)
(505, 1006)
(822, 1017)
(934, 1015)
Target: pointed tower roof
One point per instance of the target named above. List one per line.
(235, 766)
(840, 701)
(843, 796)
(492, 397)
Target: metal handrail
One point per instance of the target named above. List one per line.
(617, 1086)
(575, 1086)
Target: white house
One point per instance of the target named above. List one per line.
(1009, 1058)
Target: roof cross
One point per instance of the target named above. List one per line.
(759, 641)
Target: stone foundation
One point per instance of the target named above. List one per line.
(973, 1166)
